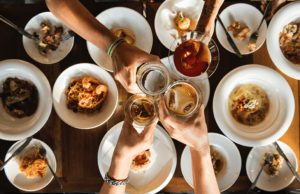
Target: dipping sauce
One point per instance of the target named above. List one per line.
(192, 58)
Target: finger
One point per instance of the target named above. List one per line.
(149, 130)
(132, 86)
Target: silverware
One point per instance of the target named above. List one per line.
(20, 30)
(287, 160)
(67, 35)
(144, 8)
(231, 42)
(18, 151)
(254, 36)
(43, 152)
(268, 160)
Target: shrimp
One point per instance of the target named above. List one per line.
(99, 90)
(86, 83)
(182, 22)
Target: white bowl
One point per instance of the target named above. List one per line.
(34, 26)
(282, 106)
(14, 128)
(247, 15)
(287, 14)
(118, 17)
(232, 165)
(17, 178)
(162, 177)
(265, 182)
(78, 120)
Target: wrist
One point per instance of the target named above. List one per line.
(119, 167)
(201, 149)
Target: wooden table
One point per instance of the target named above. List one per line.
(76, 150)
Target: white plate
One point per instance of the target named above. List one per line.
(78, 120)
(17, 178)
(232, 166)
(34, 26)
(203, 85)
(247, 15)
(165, 174)
(282, 106)
(287, 14)
(14, 128)
(265, 182)
(126, 18)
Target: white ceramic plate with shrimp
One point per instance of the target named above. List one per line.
(265, 182)
(122, 17)
(79, 120)
(17, 178)
(32, 49)
(231, 157)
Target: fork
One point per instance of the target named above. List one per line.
(254, 36)
(67, 35)
(268, 160)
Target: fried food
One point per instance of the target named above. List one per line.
(217, 160)
(86, 95)
(234, 26)
(272, 169)
(33, 165)
(184, 24)
(251, 46)
(125, 33)
(239, 32)
(141, 161)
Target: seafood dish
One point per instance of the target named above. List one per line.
(184, 24)
(86, 95)
(239, 32)
(125, 33)
(142, 110)
(33, 165)
(19, 98)
(289, 41)
(249, 104)
(272, 169)
(141, 162)
(217, 160)
(50, 42)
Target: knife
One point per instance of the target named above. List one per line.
(231, 42)
(287, 160)
(18, 151)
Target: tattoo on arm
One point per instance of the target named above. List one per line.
(209, 9)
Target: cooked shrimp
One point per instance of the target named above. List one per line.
(101, 89)
(182, 22)
(86, 83)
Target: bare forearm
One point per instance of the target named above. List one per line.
(80, 20)
(203, 174)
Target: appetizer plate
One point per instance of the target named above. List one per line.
(14, 128)
(17, 178)
(118, 17)
(265, 182)
(232, 161)
(32, 49)
(160, 170)
(280, 114)
(247, 15)
(287, 14)
(203, 85)
(79, 120)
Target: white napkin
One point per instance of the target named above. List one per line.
(190, 8)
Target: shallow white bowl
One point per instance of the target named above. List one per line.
(265, 182)
(232, 165)
(34, 26)
(78, 120)
(287, 14)
(247, 15)
(282, 106)
(14, 128)
(118, 17)
(17, 178)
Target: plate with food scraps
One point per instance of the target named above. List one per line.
(28, 171)
(225, 156)
(123, 22)
(51, 49)
(247, 19)
(276, 176)
(85, 96)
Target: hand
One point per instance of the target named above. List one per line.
(276, 4)
(126, 59)
(192, 132)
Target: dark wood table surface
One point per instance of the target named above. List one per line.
(75, 149)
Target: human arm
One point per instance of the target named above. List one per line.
(276, 5)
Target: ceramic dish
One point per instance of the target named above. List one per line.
(17, 178)
(247, 15)
(127, 18)
(232, 161)
(279, 117)
(265, 182)
(79, 120)
(31, 48)
(14, 128)
(287, 14)
(160, 170)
